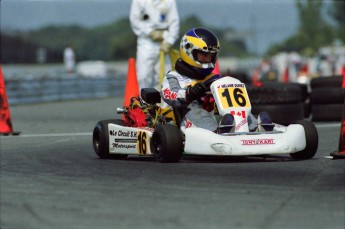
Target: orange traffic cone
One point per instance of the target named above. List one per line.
(286, 75)
(341, 148)
(305, 69)
(5, 116)
(132, 86)
(255, 78)
(216, 69)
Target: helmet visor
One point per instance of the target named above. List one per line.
(204, 57)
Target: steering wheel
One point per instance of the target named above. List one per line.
(208, 82)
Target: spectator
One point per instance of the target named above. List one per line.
(69, 59)
(324, 66)
(156, 25)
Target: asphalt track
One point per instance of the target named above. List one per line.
(51, 178)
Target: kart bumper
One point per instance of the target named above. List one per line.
(204, 142)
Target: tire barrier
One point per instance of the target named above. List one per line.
(241, 76)
(327, 98)
(283, 114)
(326, 112)
(326, 81)
(327, 95)
(283, 101)
(275, 93)
(305, 98)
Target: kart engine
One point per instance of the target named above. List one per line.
(142, 114)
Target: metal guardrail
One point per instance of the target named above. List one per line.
(25, 91)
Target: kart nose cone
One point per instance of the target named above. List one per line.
(222, 148)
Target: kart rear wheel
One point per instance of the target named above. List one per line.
(167, 143)
(312, 141)
(100, 139)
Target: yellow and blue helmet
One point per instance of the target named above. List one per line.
(199, 40)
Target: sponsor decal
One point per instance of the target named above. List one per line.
(169, 94)
(258, 142)
(120, 133)
(124, 139)
(244, 121)
(124, 143)
(188, 123)
(230, 85)
(123, 146)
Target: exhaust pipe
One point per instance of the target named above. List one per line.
(120, 110)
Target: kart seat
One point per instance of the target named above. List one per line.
(150, 95)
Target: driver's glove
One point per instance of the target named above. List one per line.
(156, 35)
(165, 47)
(195, 92)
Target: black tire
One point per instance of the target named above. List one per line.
(283, 114)
(307, 109)
(241, 76)
(100, 138)
(326, 81)
(312, 141)
(327, 112)
(275, 93)
(167, 143)
(327, 95)
(304, 90)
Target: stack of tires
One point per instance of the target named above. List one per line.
(327, 98)
(285, 102)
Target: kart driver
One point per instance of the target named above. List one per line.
(185, 87)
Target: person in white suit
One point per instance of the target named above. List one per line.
(156, 24)
(69, 59)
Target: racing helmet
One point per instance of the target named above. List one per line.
(198, 41)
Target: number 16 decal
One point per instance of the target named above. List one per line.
(142, 143)
(233, 97)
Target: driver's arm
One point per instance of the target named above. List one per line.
(172, 93)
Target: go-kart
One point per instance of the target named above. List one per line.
(149, 129)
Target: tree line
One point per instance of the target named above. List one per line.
(314, 30)
(116, 41)
(113, 41)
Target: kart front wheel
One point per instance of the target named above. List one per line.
(167, 143)
(312, 141)
(100, 139)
